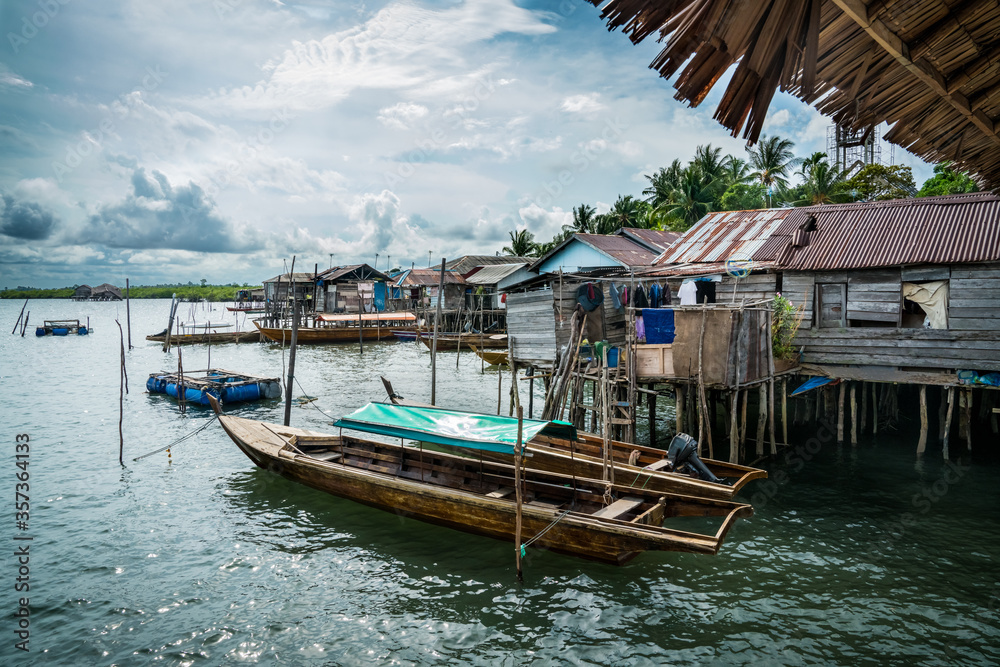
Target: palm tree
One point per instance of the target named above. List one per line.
(584, 220)
(805, 167)
(663, 183)
(522, 244)
(734, 171)
(707, 160)
(824, 185)
(627, 212)
(694, 197)
(771, 160)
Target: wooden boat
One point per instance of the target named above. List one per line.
(229, 386)
(63, 328)
(406, 335)
(492, 357)
(563, 514)
(342, 328)
(214, 337)
(451, 341)
(634, 465)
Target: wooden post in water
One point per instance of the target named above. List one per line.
(734, 431)
(784, 410)
(840, 412)
(864, 406)
(761, 417)
(434, 340)
(946, 431)
(679, 407)
(770, 415)
(291, 357)
(128, 313)
(854, 415)
(170, 323)
(651, 409)
(121, 400)
(19, 316)
(180, 381)
(743, 421)
(517, 494)
(922, 442)
(967, 419)
(27, 318)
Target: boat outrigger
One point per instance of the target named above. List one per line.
(572, 515)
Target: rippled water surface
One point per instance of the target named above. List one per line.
(855, 556)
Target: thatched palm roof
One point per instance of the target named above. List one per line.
(930, 67)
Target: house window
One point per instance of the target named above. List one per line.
(925, 304)
(831, 305)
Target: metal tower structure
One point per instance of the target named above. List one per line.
(853, 149)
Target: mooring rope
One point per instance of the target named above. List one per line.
(313, 403)
(180, 439)
(547, 528)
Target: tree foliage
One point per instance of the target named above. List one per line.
(876, 182)
(522, 244)
(945, 181)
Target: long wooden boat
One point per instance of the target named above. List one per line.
(574, 516)
(451, 341)
(342, 328)
(214, 337)
(492, 357)
(634, 465)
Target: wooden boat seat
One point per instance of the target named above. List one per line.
(546, 504)
(326, 456)
(618, 508)
(657, 465)
(500, 493)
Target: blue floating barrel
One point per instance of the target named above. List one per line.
(82, 331)
(191, 394)
(271, 389)
(243, 392)
(60, 331)
(40, 331)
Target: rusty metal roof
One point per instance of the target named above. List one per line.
(621, 248)
(697, 269)
(653, 239)
(927, 230)
(418, 277)
(724, 235)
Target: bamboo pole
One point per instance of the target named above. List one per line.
(651, 411)
(170, 323)
(864, 406)
(291, 357)
(499, 386)
(947, 423)
(967, 419)
(734, 431)
(27, 318)
(121, 400)
(434, 340)
(20, 315)
(128, 313)
(702, 407)
(922, 442)
(784, 410)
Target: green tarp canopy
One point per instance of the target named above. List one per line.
(451, 427)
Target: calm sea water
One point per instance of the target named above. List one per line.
(855, 556)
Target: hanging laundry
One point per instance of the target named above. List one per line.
(705, 291)
(616, 299)
(655, 292)
(590, 296)
(640, 329)
(665, 300)
(688, 293)
(639, 300)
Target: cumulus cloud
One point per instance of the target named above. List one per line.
(157, 215)
(582, 104)
(401, 116)
(25, 219)
(544, 223)
(9, 79)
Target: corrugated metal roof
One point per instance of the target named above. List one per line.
(490, 275)
(361, 270)
(417, 277)
(466, 263)
(654, 239)
(620, 248)
(725, 235)
(698, 269)
(927, 230)
(298, 277)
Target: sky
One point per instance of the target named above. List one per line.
(216, 139)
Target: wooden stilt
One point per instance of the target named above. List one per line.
(840, 412)
(821, 393)
(874, 409)
(517, 494)
(946, 431)
(651, 409)
(922, 442)
(770, 416)
(743, 420)
(967, 418)
(761, 417)
(854, 415)
(784, 410)
(679, 407)
(864, 405)
(499, 387)
(734, 431)
(942, 409)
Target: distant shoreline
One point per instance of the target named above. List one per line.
(213, 293)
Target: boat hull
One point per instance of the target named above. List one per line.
(204, 338)
(318, 335)
(602, 539)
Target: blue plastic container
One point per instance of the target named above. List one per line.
(246, 392)
(60, 331)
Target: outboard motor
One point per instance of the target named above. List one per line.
(683, 451)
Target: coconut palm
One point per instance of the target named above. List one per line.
(772, 159)
(694, 197)
(708, 161)
(584, 220)
(627, 212)
(663, 183)
(734, 171)
(825, 185)
(522, 244)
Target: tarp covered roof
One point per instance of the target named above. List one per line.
(450, 427)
